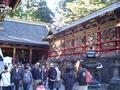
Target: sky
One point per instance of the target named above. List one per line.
(52, 4)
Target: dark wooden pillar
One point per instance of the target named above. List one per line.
(14, 54)
(30, 56)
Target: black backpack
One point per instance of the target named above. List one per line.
(27, 77)
(52, 73)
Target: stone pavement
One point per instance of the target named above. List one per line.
(75, 87)
(104, 87)
(62, 88)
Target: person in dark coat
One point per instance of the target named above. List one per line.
(52, 74)
(35, 72)
(43, 76)
(68, 78)
(16, 73)
(27, 77)
(81, 76)
(36, 75)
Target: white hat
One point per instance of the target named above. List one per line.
(51, 65)
(37, 63)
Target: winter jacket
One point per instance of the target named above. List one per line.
(69, 80)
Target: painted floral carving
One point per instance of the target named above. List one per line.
(91, 38)
(110, 34)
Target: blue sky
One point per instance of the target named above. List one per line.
(52, 4)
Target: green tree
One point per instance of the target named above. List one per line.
(18, 13)
(43, 13)
(75, 9)
(36, 11)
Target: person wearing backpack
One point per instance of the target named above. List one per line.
(27, 77)
(82, 77)
(52, 74)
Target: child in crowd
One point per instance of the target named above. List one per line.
(40, 86)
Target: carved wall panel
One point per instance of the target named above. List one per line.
(110, 34)
(91, 38)
(80, 41)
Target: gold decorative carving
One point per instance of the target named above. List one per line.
(92, 30)
(108, 25)
(79, 34)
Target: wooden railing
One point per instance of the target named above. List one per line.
(100, 46)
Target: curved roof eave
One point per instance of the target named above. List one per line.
(25, 43)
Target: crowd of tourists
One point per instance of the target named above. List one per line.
(40, 77)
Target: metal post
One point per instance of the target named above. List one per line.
(30, 57)
(14, 54)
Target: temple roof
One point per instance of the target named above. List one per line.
(22, 32)
(91, 16)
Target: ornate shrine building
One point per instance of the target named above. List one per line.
(23, 40)
(11, 3)
(100, 29)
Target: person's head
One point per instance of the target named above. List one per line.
(26, 66)
(91, 48)
(5, 67)
(8, 64)
(82, 64)
(37, 65)
(69, 69)
(40, 83)
(17, 65)
(51, 65)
